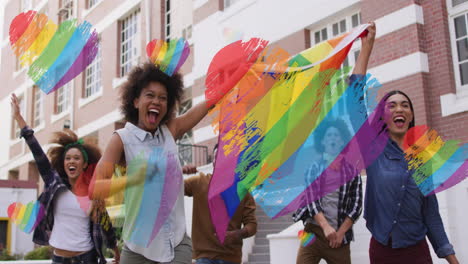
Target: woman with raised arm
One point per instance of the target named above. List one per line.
(73, 225)
(148, 102)
(398, 215)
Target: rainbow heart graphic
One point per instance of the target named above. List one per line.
(26, 217)
(306, 238)
(55, 54)
(169, 56)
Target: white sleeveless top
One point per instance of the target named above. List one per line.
(161, 195)
(71, 230)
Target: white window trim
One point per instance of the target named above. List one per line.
(117, 82)
(39, 127)
(19, 72)
(87, 11)
(41, 117)
(329, 26)
(84, 101)
(15, 141)
(138, 41)
(454, 103)
(71, 88)
(55, 117)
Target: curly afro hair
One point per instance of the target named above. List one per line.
(139, 78)
(337, 123)
(57, 153)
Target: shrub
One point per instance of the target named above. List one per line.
(39, 253)
(5, 255)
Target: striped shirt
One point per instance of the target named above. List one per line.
(349, 198)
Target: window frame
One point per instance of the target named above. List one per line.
(66, 10)
(95, 85)
(38, 110)
(454, 12)
(125, 67)
(68, 88)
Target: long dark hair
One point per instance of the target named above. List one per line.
(393, 92)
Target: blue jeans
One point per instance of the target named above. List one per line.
(212, 261)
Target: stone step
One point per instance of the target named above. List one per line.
(261, 241)
(274, 225)
(264, 233)
(259, 257)
(261, 249)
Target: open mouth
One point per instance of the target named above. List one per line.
(72, 169)
(153, 115)
(399, 121)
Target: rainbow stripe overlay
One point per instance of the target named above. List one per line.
(26, 217)
(55, 54)
(268, 106)
(306, 238)
(170, 56)
(436, 164)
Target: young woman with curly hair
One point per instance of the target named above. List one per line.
(72, 224)
(148, 102)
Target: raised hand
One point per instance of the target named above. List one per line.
(15, 111)
(368, 39)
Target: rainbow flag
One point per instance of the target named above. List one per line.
(170, 56)
(306, 238)
(26, 217)
(268, 106)
(436, 164)
(55, 54)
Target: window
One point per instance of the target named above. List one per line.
(458, 2)
(38, 111)
(63, 98)
(457, 101)
(66, 10)
(187, 32)
(16, 129)
(13, 174)
(93, 76)
(335, 29)
(168, 19)
(321, 35)
(461, 42)
(4, 233)
(129, 42)
(91, 3)
(228, 3)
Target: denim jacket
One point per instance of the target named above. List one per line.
(396, 208)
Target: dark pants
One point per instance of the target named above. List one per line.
(212, 261)
(382, 254)
(89, 257)
(182, 254)
(320, 249)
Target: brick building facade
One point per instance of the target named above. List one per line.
(421, 49)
